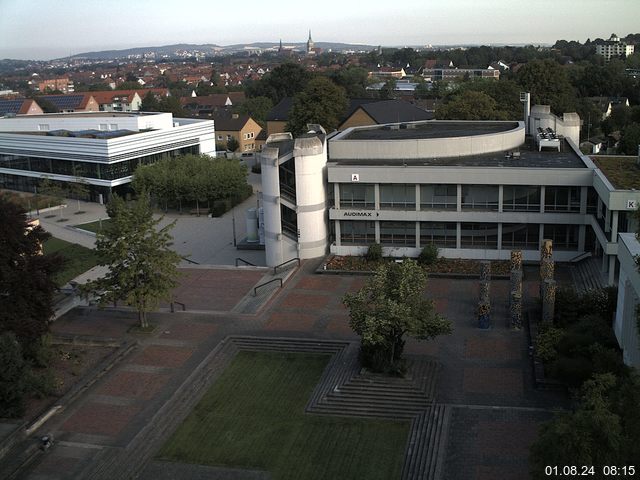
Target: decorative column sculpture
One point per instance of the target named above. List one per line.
(484, 302)
(547, 266)
(516, 259)
(515, 297)
(548, 300)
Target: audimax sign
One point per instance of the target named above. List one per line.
(360, 214)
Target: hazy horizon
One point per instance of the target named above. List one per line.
(90, 25)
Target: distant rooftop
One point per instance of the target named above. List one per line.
(438, 129)
(526, 156)
(622, 172)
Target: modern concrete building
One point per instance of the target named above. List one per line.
(102, 148)
(475, 189)
(626, 322)
(294, 196)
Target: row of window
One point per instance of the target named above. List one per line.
(474, 197)
(524, 236)
(103, 171)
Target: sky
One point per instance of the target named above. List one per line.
(46, 29)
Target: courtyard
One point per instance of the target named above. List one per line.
(139, 417)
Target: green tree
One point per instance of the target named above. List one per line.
(388, 90)
(142, 267)
(233, 144)
(285, 80)
(149, 103)
(172, 105)
(12, 377)
(321, 102)
(353, 79)
(26, 276)
(591, 435)
(470, 105)
(390, 306)
(257, 108)
(630, 141)
(549, 84)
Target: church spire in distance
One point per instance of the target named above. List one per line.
(310, 45)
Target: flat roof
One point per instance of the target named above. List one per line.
(430, 129)
(529, 157)
(622, 171)
(84, 114)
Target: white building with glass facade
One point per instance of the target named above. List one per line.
(103, 149)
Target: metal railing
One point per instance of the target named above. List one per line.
(275, 269)
(255, 290)
(238, 259)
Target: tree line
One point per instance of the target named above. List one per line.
(193, 180)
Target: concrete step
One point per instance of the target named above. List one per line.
(425, 452)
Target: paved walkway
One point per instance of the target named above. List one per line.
(486, 375)
(204, 240)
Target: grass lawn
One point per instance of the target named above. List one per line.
(79, 258)
(253, 417)
(93, 226)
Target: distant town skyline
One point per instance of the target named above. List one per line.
(43, 30)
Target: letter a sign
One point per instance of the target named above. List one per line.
(355, 177)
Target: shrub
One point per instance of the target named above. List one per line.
(547, 342)
(428, 255)
(12, 377)
(374, 253)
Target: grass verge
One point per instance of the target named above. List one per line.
(78, 259)
(93, 226)
(253, 417)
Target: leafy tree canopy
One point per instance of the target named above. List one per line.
(26, 276)
(256, 107)
(283, 81)
(389, 306)
(548, 83)
(321, 102)
(142, 267)
(470, 105)
(353, 79)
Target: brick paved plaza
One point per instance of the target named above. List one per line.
(485, 375)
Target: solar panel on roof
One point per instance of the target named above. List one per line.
(10, 106)
(65, 102)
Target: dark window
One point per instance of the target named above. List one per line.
(520, 199)
(479, 235)
(398, 196)
(289, 220)
(565, 237)
(398, 234)
(288, 180)
(480, 197)
(440, 234)
(438, 197)
(520, 235)
(357, 233)
(357, 195)
(562, 199)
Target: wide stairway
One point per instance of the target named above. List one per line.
(587, 274)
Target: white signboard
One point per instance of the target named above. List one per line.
(632, 205)
(355, 177)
